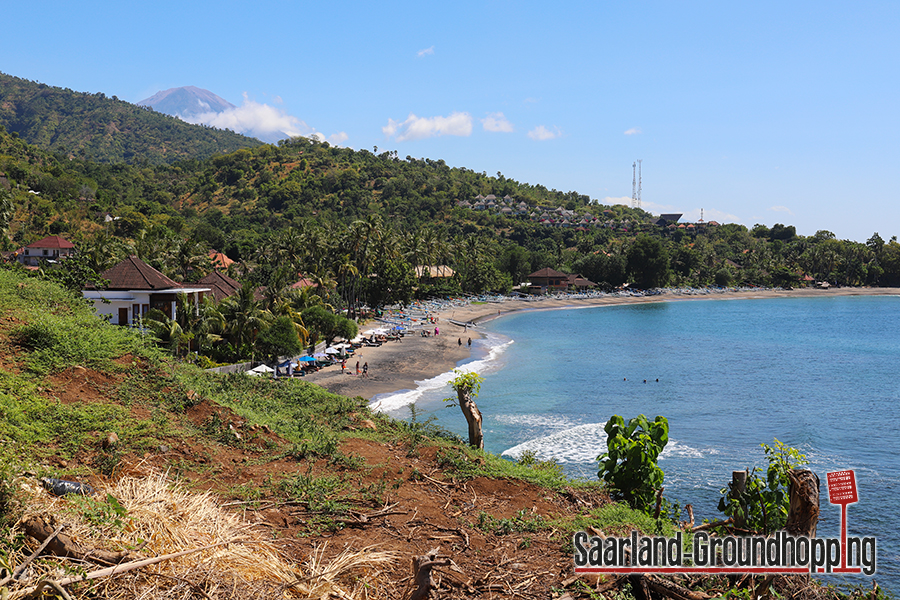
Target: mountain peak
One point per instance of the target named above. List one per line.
(186, 102)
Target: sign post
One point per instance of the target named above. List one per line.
(842, 490)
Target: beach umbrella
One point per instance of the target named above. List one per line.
(306, 359)
(260, 370)
(332, 350)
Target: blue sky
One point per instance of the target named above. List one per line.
(756, 112)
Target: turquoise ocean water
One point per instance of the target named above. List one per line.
(819, 374)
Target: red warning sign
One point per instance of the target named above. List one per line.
(842, 487)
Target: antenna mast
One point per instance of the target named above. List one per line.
(639, 183)
(633, 185)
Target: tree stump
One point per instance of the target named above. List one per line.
(738, 486)
(422, 579)
(473, 417)
(803, 514)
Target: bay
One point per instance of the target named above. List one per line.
(818, 374)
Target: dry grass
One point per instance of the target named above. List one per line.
(159, 519)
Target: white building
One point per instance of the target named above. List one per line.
(134, 288)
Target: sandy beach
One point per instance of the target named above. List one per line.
(398, 365)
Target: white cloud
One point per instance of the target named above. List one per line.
(425, 52)
(497, 122)
(336, 139)
(784, 209)
(634, 131)
(609, 201)
(709, 214)
(258, 120)
(541, 133)
(417, 128)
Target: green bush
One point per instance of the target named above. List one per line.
(629, 464)
(58, 342)
(764, 503)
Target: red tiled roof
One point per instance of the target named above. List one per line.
(52, 241)
(219, 260)
(134, 274)
(303, 282)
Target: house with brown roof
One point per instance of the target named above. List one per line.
(548, 279)
(134, 288)
(221, 285)
(580, 282)
(51, 248)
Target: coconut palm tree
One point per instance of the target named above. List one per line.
(245, 319)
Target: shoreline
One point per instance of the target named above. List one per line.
(398, 366)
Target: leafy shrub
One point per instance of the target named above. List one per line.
(629, 464)
(764, 503)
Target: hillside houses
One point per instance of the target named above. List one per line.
(559, 217)
(51, 249)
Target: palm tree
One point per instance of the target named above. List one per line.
(245, 319)
(168, 332)
(192, 258)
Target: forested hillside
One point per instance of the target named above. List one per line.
(359, 222)
(102, 129)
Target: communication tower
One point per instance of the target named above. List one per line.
(639, 183)
(633, 185)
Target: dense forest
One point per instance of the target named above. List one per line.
(305, 206)
(101, 129)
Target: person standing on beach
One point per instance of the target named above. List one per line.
(343, 365)
(357, 368)
(470, 342)
(366, 370)
(459, 342)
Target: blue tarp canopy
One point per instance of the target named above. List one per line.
(306, 359)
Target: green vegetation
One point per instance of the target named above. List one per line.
(357, 223)
(629, 464)
(764, 503)
(105, 129)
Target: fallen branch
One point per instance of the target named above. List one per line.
(134, 565)
(21, 568)
(38, 592)
(62, 545)
(706, 526)
(361, 518)
(670, 589)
